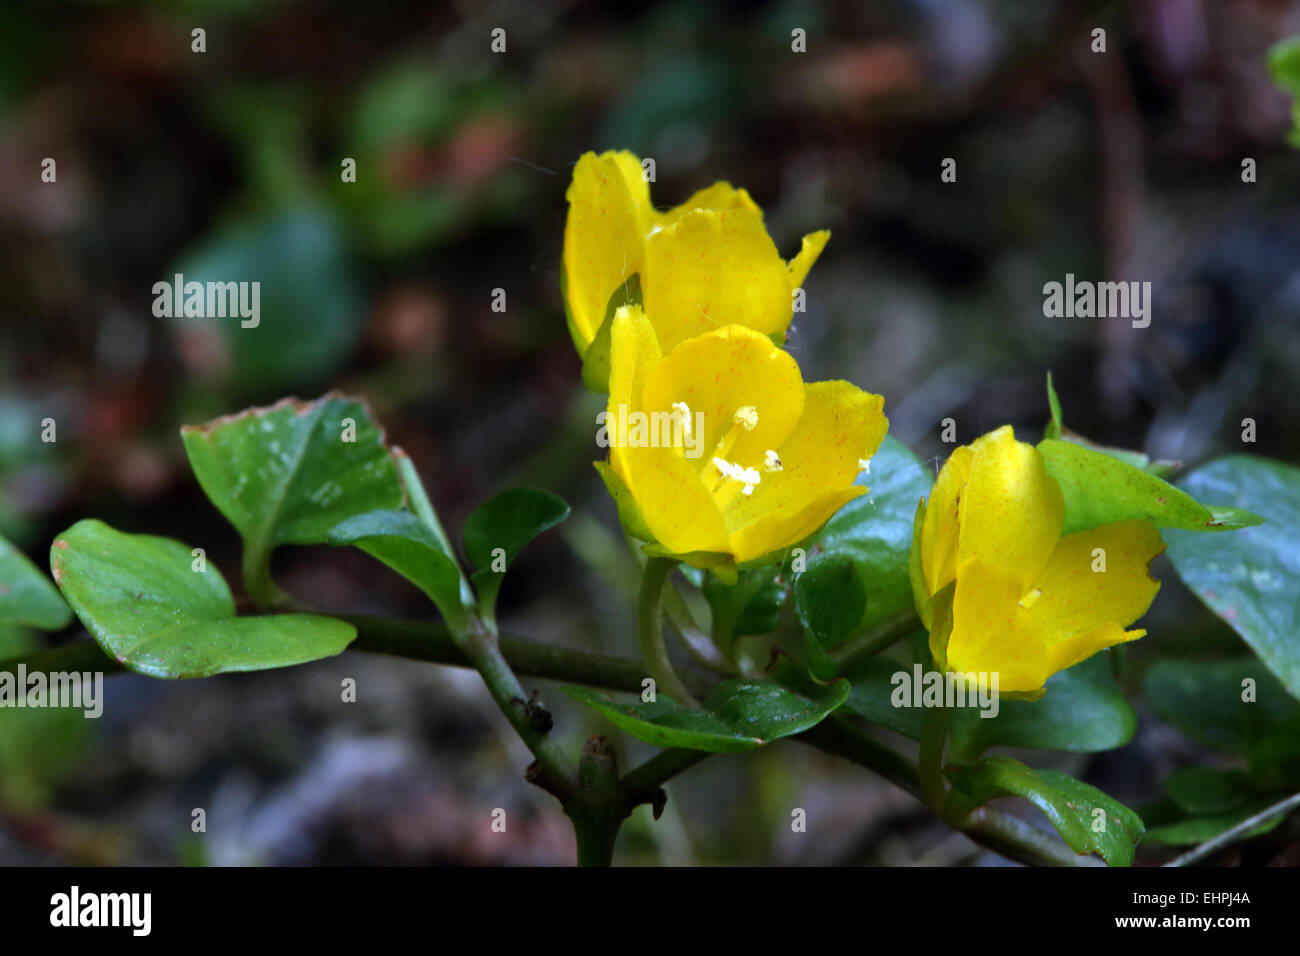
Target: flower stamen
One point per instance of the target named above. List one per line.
(748, 477)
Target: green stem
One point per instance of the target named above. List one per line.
(430, 641)
(597, 808)
(262, 591)
(934, 737)
(640, 783)
(479, 643)
(477, 639)
(872, 642)
(424, 510)
(987, 826)
(698, 644)
(419, 499)
(650, 630)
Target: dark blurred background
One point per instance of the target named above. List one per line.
(1125, 164)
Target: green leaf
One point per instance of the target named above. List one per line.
(309, 309)
(27, 597)
(1099, 489)
(1251, 579)
(875, 531)
(38, 745)
(1204, 699)
(739, 714)
(1284, 64)
(1199, 829)
(1204, 790)
(289, 473)
(142, 600)
(1083, 711)
(507, 522)
(407, 545)
(595, 361)
(830, 599)
(1068, 803)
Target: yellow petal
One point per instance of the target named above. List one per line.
(1011, 509)
(812, 247)
(989, 633)
(785, 526)
(604, 236)
(675, 504)
(637, 186)
(720, 195)
(840, 425)
(1076, 601)
(1074, 650)
(677, 507)
(721, 372)
(941, 529)
(712, 268)
(634, 351)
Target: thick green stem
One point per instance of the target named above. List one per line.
(597, 808)
(650, 630)
(429, 641)
(479, 643)
(476, 638)
(934, 738)
(641, 781)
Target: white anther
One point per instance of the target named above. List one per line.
(683, 413)
(746, 415)
(746, 476)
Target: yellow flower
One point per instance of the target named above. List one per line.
(705, 264)
(1026, 602)
(758, 460)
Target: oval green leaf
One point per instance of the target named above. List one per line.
(291, 472)
(141, 599)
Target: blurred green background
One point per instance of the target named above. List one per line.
(1118, 165)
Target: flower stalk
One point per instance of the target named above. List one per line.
(650, 630)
